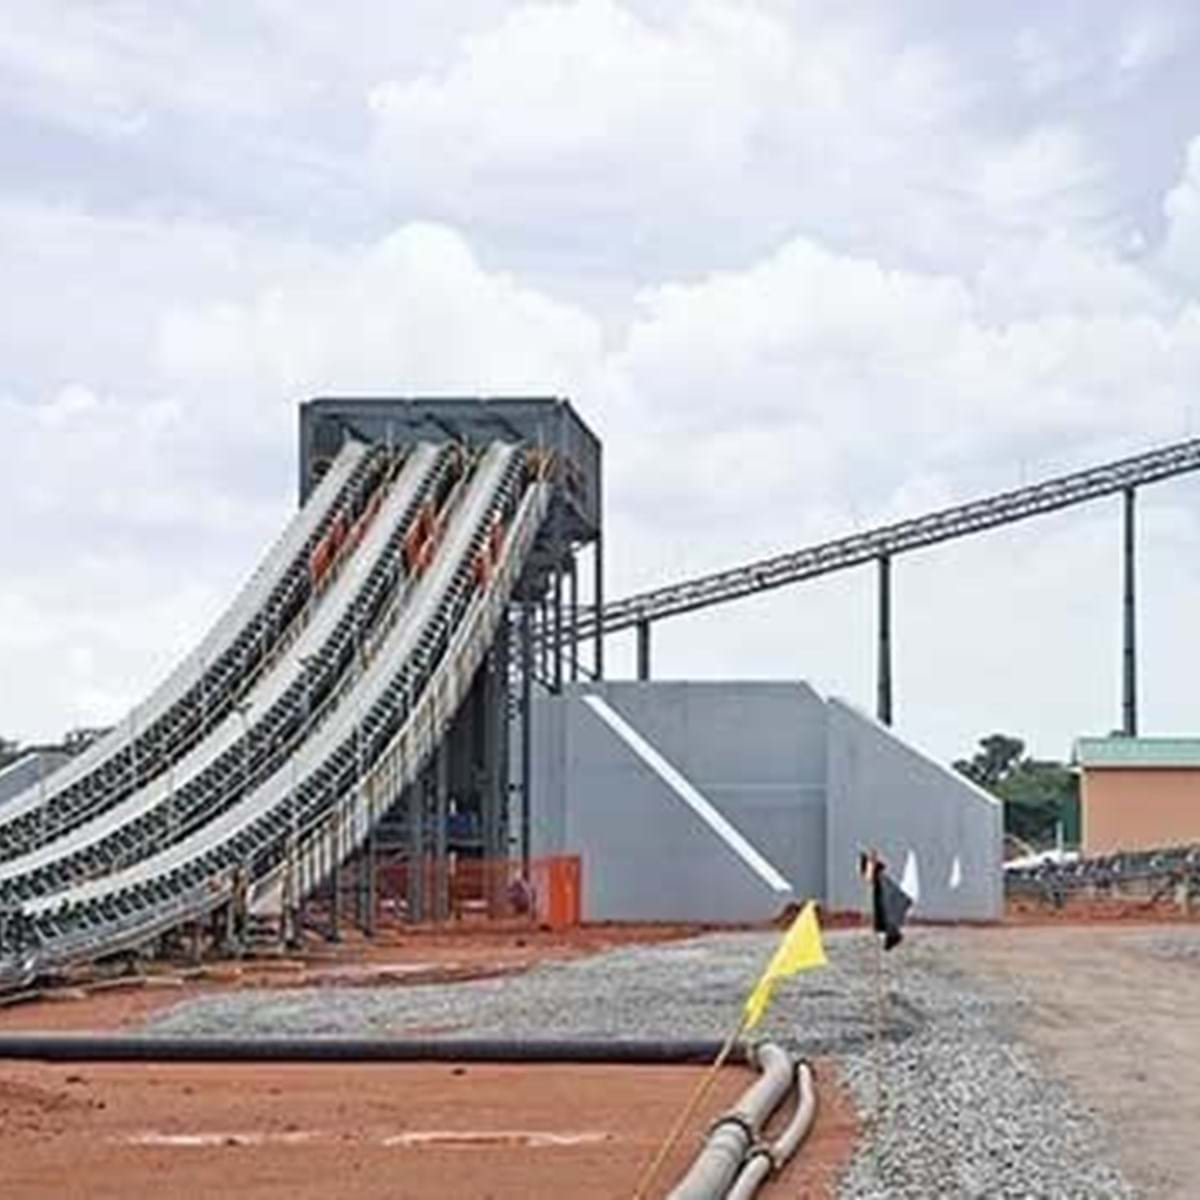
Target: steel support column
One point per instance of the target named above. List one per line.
(559, 553)
(573, 608)
(643, 649)
(883, 682)
(370, 901)
(557, 661)
(416, 846)
(489, 726)
(335, 875)
(1129, 707)
(526, 729)
(598, 606)
(441, 861)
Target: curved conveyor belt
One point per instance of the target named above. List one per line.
(382, 723)
(202, 689)
(217, 771)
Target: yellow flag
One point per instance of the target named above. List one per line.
(800, 950)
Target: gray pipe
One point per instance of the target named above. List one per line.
(765, 1160)
(719, 1162)
(59, 1047)
(764, 1096)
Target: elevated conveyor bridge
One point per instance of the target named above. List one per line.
(881, 545)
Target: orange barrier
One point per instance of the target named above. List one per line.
(478, 889)
(557, 889)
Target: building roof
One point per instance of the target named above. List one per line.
(1096, 752)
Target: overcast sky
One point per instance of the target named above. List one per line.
(804, 267)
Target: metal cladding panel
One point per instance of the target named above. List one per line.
(756, 751)
(1125, 752)
(886, 795)
(548, 816)
(545, 421)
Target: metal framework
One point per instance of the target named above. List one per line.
(889, 540)
(384, 699)
(881, 545)
(295, 828)
(326, 705)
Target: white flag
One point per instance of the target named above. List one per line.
(910, 881)
(955, 874)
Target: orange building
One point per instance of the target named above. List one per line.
(1138, 793)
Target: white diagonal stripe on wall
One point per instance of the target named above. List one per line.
(689, 794)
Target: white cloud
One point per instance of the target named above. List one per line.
(1180, 255)
(803, 270)
(413, 312)
(1046, 181)
(145, 493)
(699, 137)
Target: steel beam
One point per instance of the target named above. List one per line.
(1129, 708)
(573, 608)
(643, 649)
(441, 860)
(416, 846)
(883, 682)
(335, 875)
(859, 548)
(526, 730)
(369, 864)
(598, 622)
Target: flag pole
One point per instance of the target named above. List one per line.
(870, 860)
(702, 1089)
(879, 1003)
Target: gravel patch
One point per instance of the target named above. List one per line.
(966, 1110)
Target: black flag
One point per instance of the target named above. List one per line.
(889, 900)
(892, 903)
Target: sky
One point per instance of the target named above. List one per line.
(804, 267)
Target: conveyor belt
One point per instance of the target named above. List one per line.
(385, 716)
(281, 701)
(203, 688)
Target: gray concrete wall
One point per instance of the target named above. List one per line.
(885, 794)
(807, 782)
(756, 751)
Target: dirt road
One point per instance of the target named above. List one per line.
(1120, 1024)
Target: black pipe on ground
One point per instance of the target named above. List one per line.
(71, 1047)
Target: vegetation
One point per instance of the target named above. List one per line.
(1037, 793)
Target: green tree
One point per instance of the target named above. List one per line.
(1037, 793)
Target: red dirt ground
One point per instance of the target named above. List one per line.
(115, 1130)
(375, 1130)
